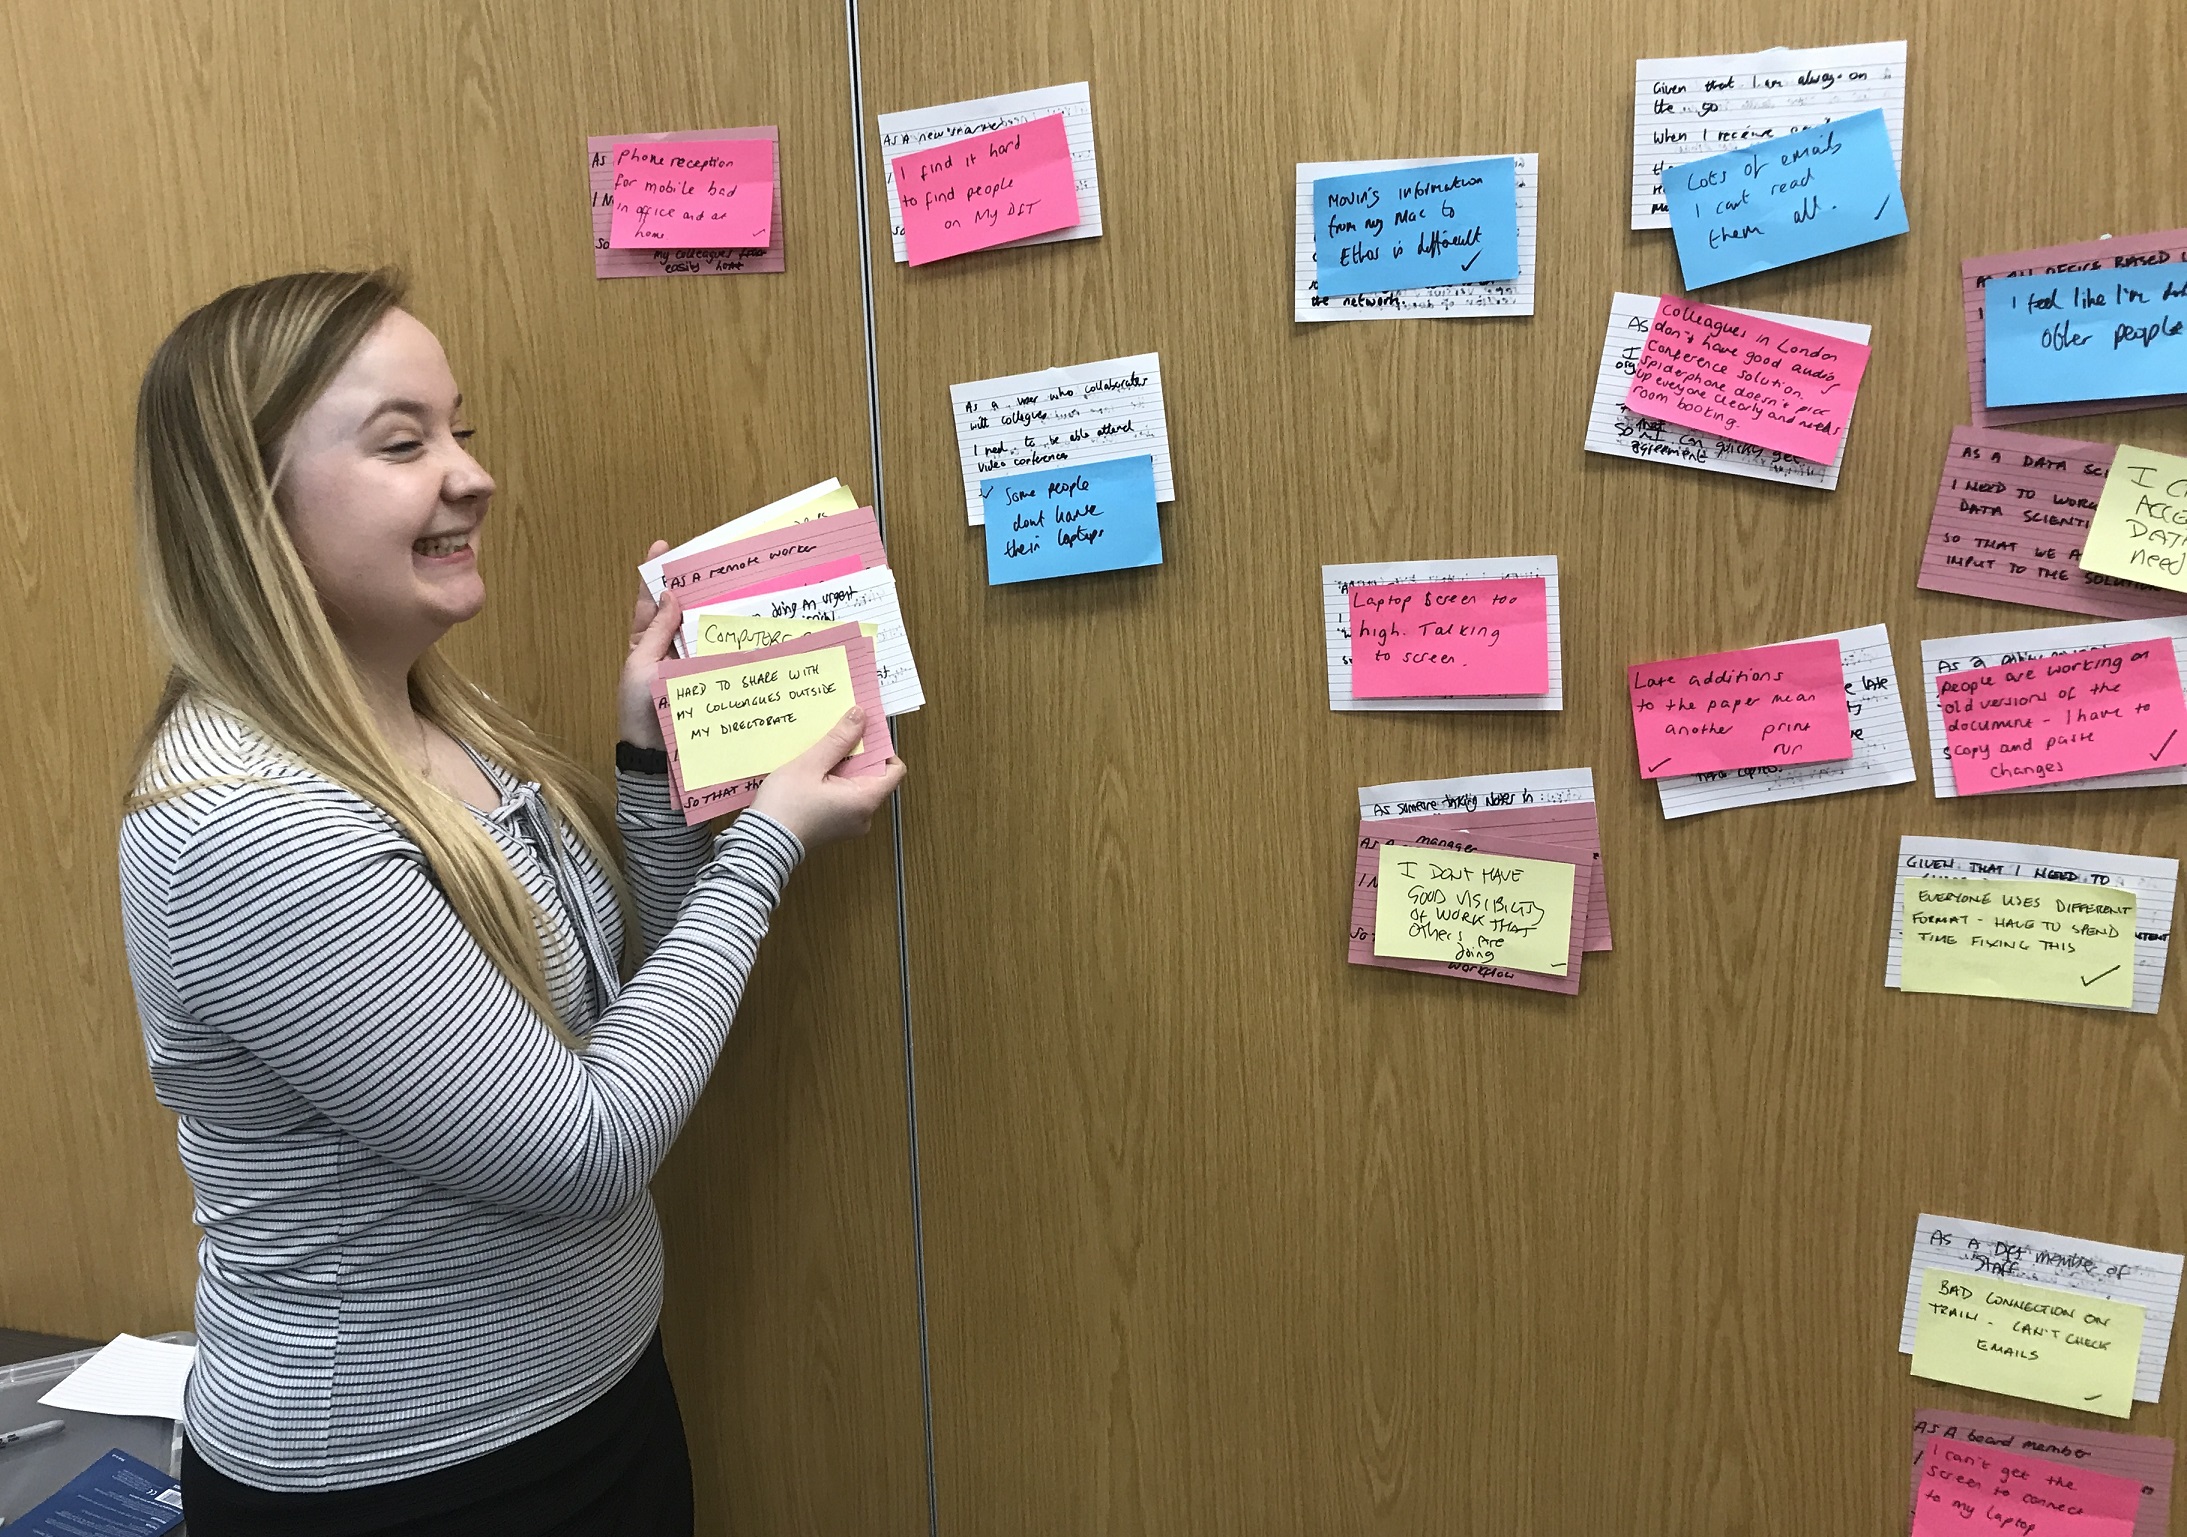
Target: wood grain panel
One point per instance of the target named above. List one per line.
(162, 153)
(1224, 1235)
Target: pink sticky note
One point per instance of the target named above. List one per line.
(2146, 1461)
(693, 194)
(1771, 705)
(1572, 825)
(2011, 512)
(1966, 1490)
(743, 563)
(2168, 245)
(1757, 381)
(803, 576)
(2078, 715)
(1365, 875)
(1417, 640)
(986, 190)
(684, 261)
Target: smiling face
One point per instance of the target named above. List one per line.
(382, 499)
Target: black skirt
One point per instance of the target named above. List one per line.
(616, 1468)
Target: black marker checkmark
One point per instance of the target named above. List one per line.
(1886, 203)
(1653, 768)
(2167, 742)
(1468, 267)
(2098, 977)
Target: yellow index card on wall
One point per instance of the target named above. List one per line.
(2050, 941)
(2139, 528)
(2056, 1347)
(750, 718)
(716, 633)
(1486, 909)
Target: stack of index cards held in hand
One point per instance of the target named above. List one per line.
(1495, 877)
(789, 618)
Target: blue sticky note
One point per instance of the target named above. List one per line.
(2108, 335)
(1823, 189)
(1379, 231)
(1071, 519)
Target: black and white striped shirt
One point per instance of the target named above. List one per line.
(427, 1228)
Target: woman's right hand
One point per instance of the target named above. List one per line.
(820, 806)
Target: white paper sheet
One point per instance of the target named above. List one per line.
(1477, 792)
(1337, 583)
(728, 533)
(1883, 754)
(2111, 1271)
(1510, 296)
(1081, 414)
(1689, 109)
(129, 1376)
(862, 597)
(2154, 882)
(902, 132)
(1611, 429)
(1960, 653)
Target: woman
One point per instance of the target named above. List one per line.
(374, 923)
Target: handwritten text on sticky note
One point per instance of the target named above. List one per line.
(1824, 189)
(1755, 381)
(1071, 520)
(1421, 640)
(2111, 710)
(2049, 941)
(2139, 530)
(699, 195)
(1780, 705)
(1380, 231)
(1966, 1490)
(2053, 336)
(742, 720)
(986, 190)
(1478, 909)
(2056, 1347)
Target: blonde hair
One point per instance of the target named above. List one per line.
(245, 630)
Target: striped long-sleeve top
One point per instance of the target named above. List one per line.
(427, 1231)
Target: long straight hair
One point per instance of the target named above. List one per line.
(246, 633)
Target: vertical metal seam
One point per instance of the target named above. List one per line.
(896, 801)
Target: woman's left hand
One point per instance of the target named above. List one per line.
(652, 633)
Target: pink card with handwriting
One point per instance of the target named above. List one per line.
(969, 194)
(1966, 1490)
(693, 193)
(2145, 1461)
(2081, 715)
(1764, 382)
(1367, 872)
(1428, 640)
(743, 564)
(1770, 705)
(609, 261)
(802, 576)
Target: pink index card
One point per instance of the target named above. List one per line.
(2145, 1460)
(1967, 1490)
(1372, 835)
(2084, 256)
(686, 261)
(1572, 825)
(1423, 640)
(703, 802)
(803, 576)
(744, 563)
(1767, 706)
(2079, 715)
(2011, 512)
(1763, 382)
(969, 194)
(678, 194)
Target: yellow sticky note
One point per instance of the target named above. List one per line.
(2139, 528)
(716, 633)
(2057, 1347)
(1486, 909)
(841, 499)
(750, 718)
(2052, 941)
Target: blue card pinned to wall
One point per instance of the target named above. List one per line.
(1070, 520)
(2062, 336)
(1380, 231)
(1823, 189)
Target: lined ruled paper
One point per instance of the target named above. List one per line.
(1081, 414)
(1883, 753)
(1611, 429)
(607, 262)
(1337, 583)
(1444, 300)
(862, 597)
(722, 569)
(2111, 1271)
(2154, 882)
(1958, 653)
(1688, 109)
(902, 132)
(1477, 792)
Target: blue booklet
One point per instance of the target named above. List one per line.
(117, 1496)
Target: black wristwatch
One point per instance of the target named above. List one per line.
(641, 760)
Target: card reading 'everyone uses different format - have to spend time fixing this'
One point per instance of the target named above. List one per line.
(1741, 709)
